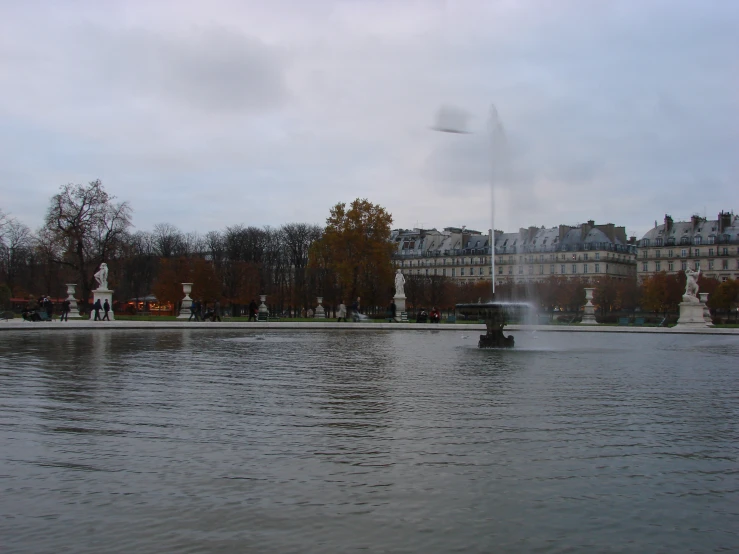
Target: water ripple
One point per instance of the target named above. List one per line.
(387, 442)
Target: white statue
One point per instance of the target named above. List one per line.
(399, 282)
(102, 277)
(691, 285)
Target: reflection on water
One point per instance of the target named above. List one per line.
(387, 441)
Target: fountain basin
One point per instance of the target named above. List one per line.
(495, 315)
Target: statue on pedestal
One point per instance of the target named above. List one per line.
(399, 284)
(102, 277)
(691, 284)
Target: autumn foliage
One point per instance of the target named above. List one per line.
(356, 250)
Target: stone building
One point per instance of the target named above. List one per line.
(532, 254)
(711, 245)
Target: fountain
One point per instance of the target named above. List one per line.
(496, 315)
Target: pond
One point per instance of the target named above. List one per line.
(339, 441)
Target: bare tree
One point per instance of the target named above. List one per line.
(297, 239)
(168, 240)
(15, 247)
(84, 225)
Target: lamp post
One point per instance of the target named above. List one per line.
(451, 120)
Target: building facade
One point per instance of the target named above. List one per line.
(711, 245)
(532, 254)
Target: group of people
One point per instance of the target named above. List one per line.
(211, 314)
(342, 313)
(434, 316)
(46, 306)
(98, 306)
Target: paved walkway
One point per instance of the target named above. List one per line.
(18, 324)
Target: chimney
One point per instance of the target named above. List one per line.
(608, 230)
(695, 220)
(668, 223)
(724, 221)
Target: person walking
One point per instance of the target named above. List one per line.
(342, 312)
(217, 311)
(193, 310)
(355, 309)
(49, 307)
(393, 310)
(64, 316)
(252, 310)
(106, 309)
(96, 308)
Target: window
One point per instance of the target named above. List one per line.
(658, 242)
(551, 269)
(697, 240)
(574, 268)
(454, 272)
(597, 268)
(697, 265)
(670, 254)
(562, 269)
(725, 252)
(644, 254)
(472, 271)
(710, 251)
(461, 271)
(683, 253)
(697, 252)
(531, 270)
(541, 257)
(724, 264)
(443, 272)
(597, 255)
(658, 266)
(585, 257)
(683, 265)
(520, 270)
(500, 270)
(645, 242)
(645, 266)
(510, 270)
(482, 269)
(710, 264)
(585, 268)
(657, 253)
(541, 270)
(671, 266)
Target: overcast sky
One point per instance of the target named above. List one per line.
(208, 114)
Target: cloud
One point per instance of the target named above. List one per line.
(246, 112)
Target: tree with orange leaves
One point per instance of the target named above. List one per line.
(356, 248)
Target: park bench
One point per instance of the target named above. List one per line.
(623, 321)
(639, 321)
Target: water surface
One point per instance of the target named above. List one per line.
(326, 441)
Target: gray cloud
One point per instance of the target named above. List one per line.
(243, 112)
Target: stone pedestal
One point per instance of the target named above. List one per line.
(186, 302)
(588, 316)
(320, 311)
(691, 313)
(706, 312)
(103, 295)
(399, 307)
(74, 312)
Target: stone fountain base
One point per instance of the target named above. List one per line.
(494, 338)
(495, 315)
